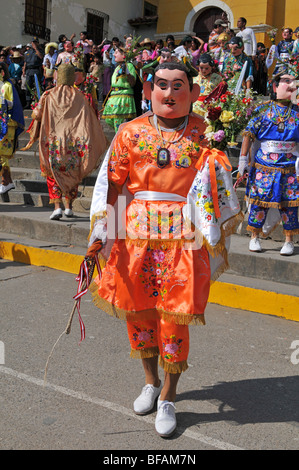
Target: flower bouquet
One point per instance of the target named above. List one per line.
(226, 117)
(272, 34)
(78, 58)
(88, 84)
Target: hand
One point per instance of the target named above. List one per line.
(243, 164)
(144, 106)
(94, 249)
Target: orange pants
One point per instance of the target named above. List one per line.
(151, 338)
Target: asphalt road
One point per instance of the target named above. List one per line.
(240, 391)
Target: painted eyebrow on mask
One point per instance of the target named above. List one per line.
(166, 81)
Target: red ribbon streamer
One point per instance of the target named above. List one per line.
(84, 275)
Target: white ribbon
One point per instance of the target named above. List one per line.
(157, 196)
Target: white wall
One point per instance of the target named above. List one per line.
(69, 17)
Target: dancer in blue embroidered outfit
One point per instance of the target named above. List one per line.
(282, 52)
(273, 182)
(11, 126)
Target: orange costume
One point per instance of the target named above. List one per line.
(157, 275)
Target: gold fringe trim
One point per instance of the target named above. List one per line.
(260, 232)
(145, 353)
(46, 174)
(119, 116)
(155, 243)
(276, 205)
(227, 228)
(291, 232)
(173, 367)
(269, 169)
(170, 367)
(248, 134)
(178, 318)
(52, 201)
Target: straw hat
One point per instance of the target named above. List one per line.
(148, 41)
(50, 44)
(16, 55)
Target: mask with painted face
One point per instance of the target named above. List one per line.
(285, 88)
(170, 94)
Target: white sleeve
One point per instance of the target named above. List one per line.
(272, 54)
(254, 44)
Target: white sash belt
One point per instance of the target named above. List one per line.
(276, 146)
(157, 196)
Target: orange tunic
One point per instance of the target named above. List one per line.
(155, 266)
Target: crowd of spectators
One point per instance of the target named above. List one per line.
(37, 60)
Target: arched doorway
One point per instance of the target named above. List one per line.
(205, 21)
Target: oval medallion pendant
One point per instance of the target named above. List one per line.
(280, 127)
(163, 157)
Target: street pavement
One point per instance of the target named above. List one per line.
(240, 391)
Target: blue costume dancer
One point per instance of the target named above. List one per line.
(272, 184)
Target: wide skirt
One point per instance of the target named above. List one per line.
(144, 278)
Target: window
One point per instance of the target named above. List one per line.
(36, 14)
(149, 9)
(97, 25)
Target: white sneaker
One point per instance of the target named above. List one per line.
(56, 215)
(165, 420)
(287, 249)
(255, 245)
(5, 189)
(68, 213)
(146, 400)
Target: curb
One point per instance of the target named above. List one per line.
(221, 293)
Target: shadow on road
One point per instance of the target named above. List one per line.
(265, 400)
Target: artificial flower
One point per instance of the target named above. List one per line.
(227, 116)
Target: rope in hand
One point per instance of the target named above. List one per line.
(84, 278)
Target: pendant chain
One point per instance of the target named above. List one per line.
(169, 141)
(286, 114)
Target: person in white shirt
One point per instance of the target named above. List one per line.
(51, 54)
(248, 36)
(184, 49)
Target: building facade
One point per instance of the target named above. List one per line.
(47, 19)
(181, 17)
(155, 19)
